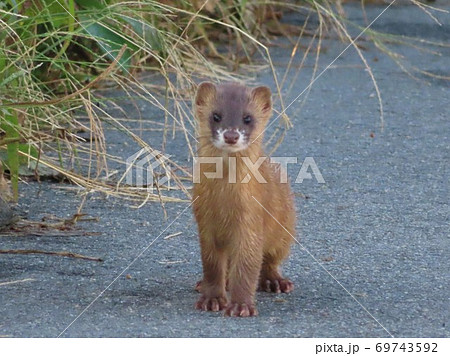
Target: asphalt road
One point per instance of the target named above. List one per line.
(375, 236)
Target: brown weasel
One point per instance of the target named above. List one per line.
(241, 243)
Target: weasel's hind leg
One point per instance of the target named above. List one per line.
(270, 279)
(277, 244)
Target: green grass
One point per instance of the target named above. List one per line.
(56, 55)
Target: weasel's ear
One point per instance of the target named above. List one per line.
(262, 97)
(206, 92)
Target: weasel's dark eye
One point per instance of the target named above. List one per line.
(217, 117)
(247, 119)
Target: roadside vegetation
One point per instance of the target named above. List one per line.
(57, 57)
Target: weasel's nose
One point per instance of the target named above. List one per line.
(231, 137)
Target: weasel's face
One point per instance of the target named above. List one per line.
(233, 113)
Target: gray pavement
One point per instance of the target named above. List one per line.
(379, 225)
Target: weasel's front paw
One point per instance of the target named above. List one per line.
(211, 304)
(276, 285)
(241, 309)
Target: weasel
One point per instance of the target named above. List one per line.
(245, 225)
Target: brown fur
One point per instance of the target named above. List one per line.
(241, 244)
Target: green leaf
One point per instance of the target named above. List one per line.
(10, 125)
(109, 42)
(2, 62)
(28, 167)
(91, 4)
(58, 13)
(150, 34)
(12, 76)
(29, 149)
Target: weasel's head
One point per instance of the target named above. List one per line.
(232, 115)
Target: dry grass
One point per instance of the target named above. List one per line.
(56, 59)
